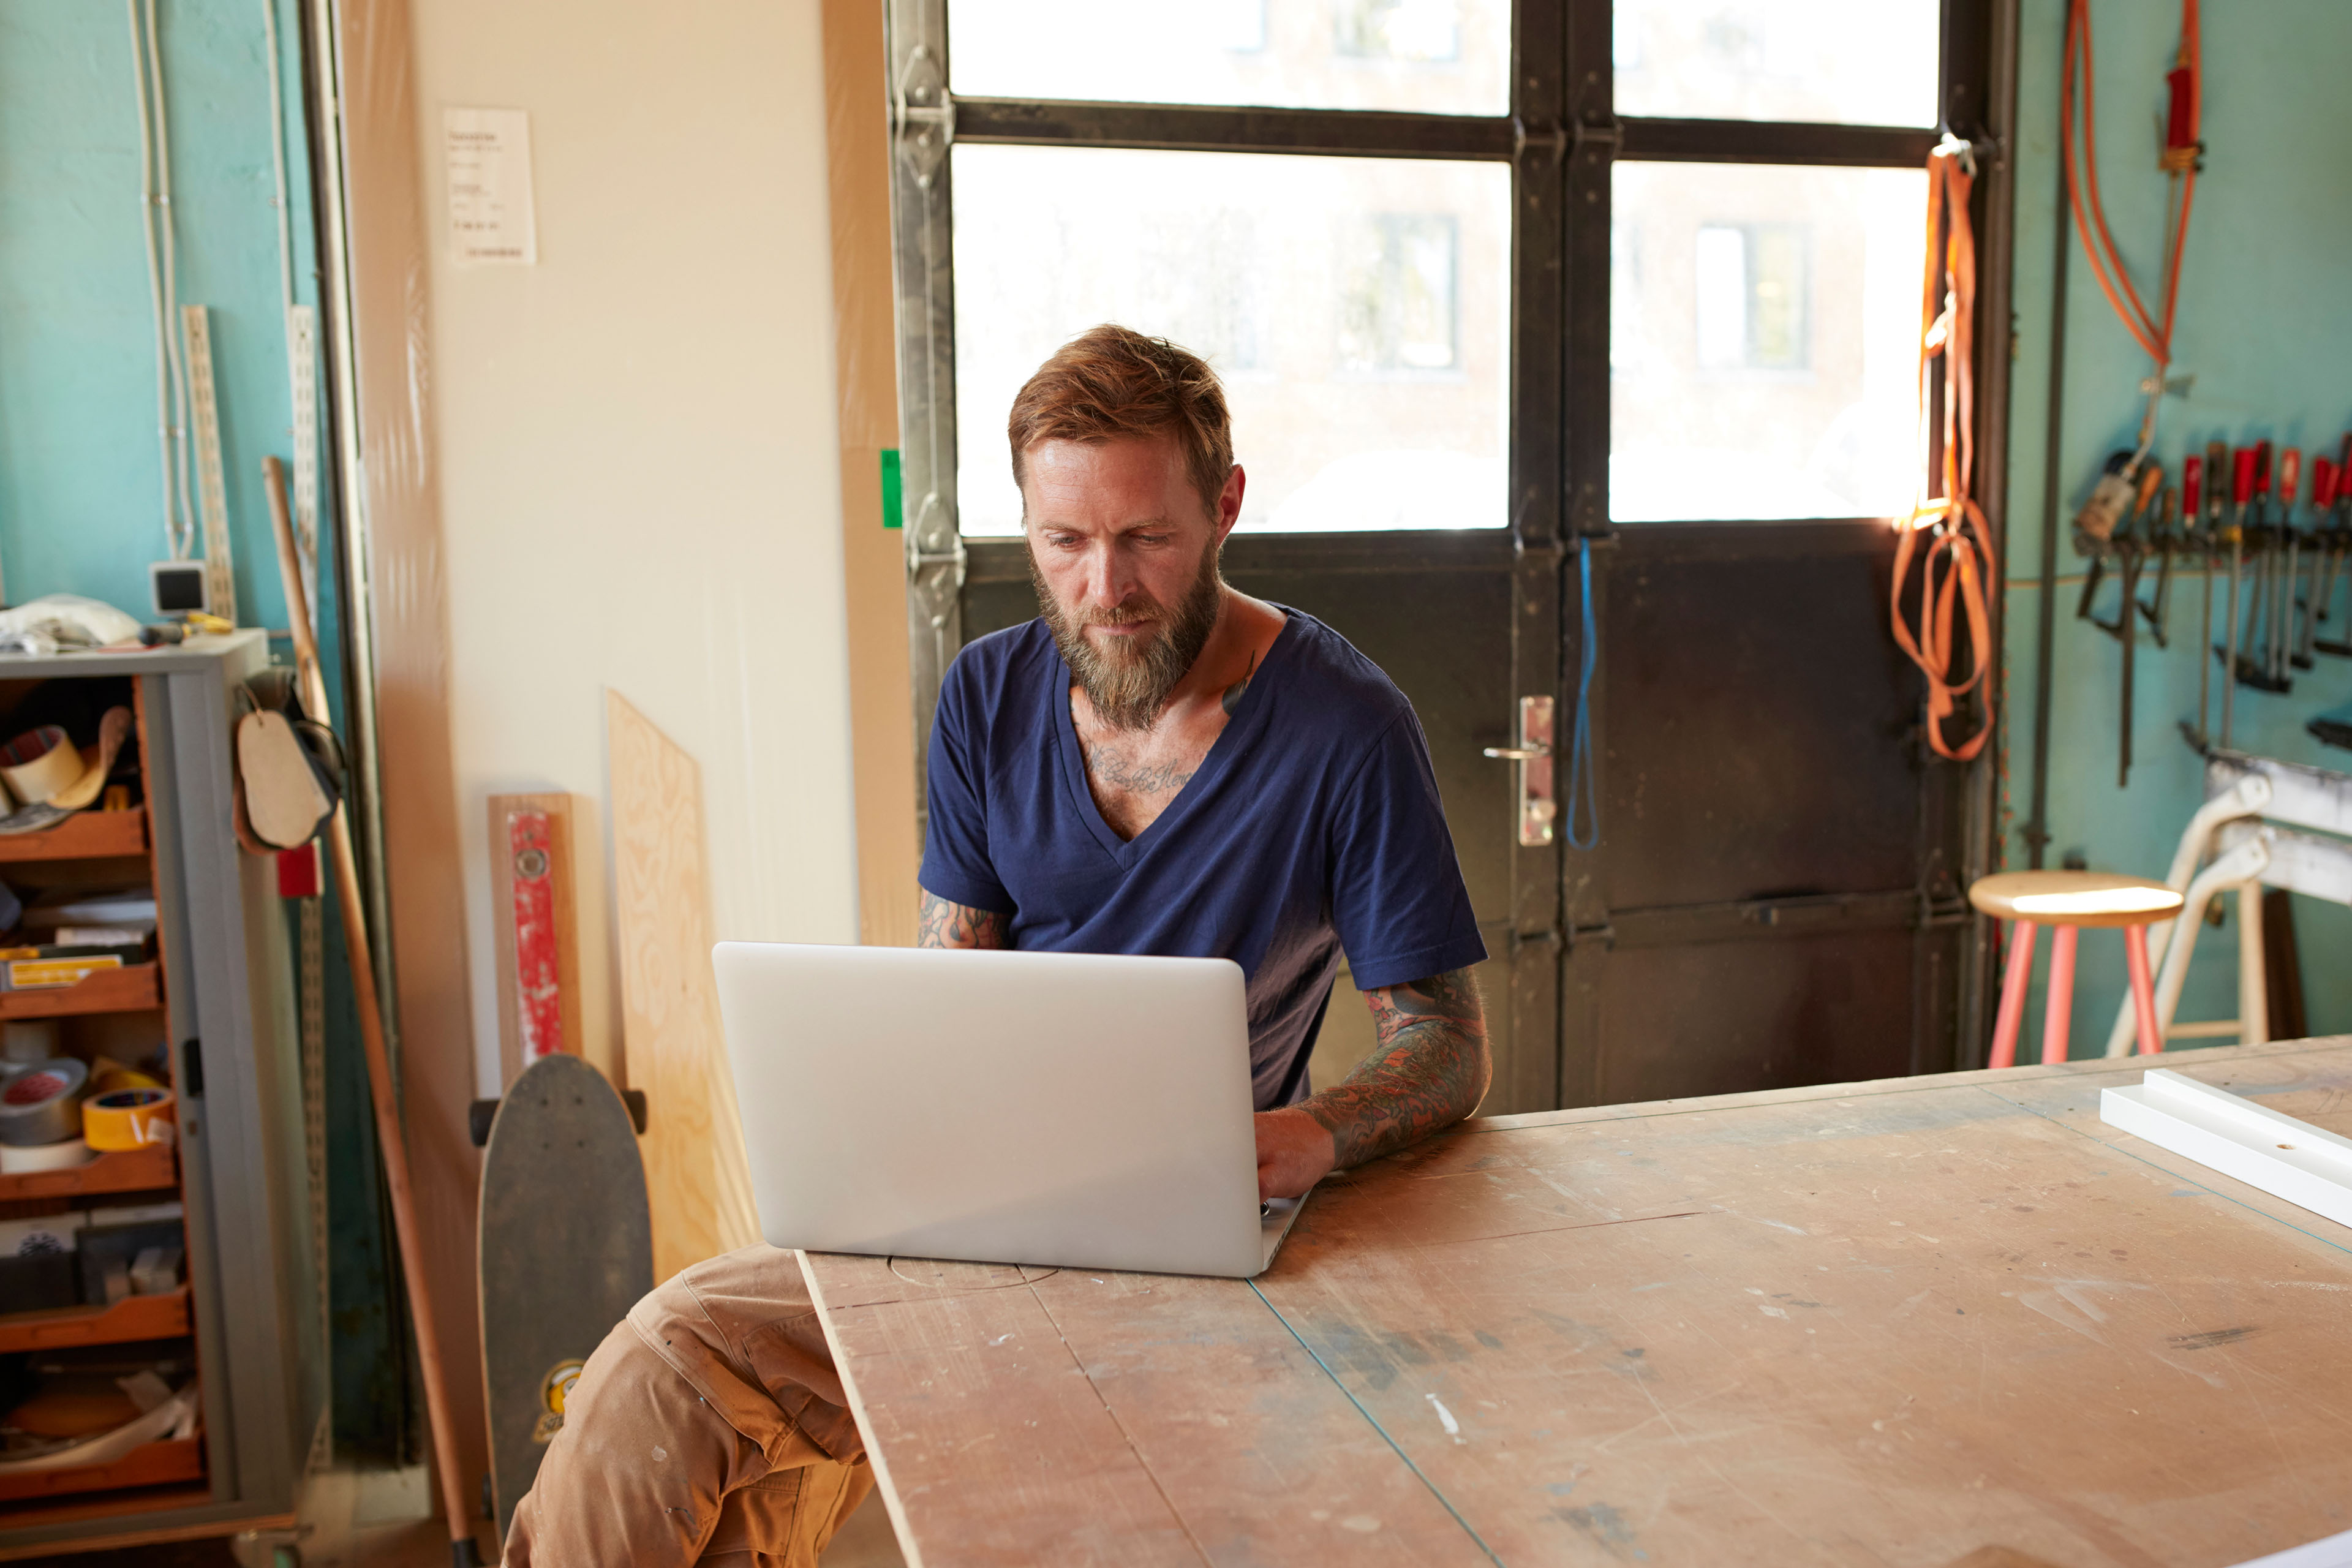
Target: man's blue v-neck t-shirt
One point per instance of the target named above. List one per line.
(1312, 827)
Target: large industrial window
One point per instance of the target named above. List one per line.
(1357, 309)
(1464, 265)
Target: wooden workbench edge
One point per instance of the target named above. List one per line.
(846, 1368)
(1984, 1077)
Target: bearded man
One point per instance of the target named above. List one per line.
(1159, 765)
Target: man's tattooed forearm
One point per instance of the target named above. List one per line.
(943, 924)
(1452, 995)
(1429, 1071)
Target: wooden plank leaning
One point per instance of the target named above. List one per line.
(390, 1141)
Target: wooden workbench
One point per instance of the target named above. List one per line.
(1889, 1324)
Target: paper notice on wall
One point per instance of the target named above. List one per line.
(489, 155)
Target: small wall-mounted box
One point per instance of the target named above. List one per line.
(179, 587)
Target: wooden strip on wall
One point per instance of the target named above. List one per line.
(538, 933)
(697, 1177)
(865, 378)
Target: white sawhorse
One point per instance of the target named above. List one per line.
(2254, 810)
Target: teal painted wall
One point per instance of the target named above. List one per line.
(81, 492)
(2265, 330)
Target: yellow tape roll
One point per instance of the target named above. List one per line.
(106, 1075)
(129, 1118)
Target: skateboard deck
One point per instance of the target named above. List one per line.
(566, 1250)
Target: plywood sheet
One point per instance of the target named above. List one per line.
(1898, 1324)
(696, 1175)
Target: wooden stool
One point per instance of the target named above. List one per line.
(2069, 901)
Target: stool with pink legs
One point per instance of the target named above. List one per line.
(2066, 902)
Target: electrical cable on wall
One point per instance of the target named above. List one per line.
(310, 919)
(1580, 787)
(2131, 520)
(163, 281)
(2179, 159)
(302, 334)
(277, 152)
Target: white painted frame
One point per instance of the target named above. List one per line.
(2284, 1155)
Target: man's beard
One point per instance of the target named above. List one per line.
(1129, 685)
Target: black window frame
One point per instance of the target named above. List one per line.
(1561, 139)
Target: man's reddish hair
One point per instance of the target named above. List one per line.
(1112, 382)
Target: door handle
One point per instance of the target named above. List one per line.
(1538, 807)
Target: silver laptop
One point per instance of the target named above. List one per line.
(1044, 1108)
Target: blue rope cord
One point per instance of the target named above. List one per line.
(1445, 1501)
(1579, 756)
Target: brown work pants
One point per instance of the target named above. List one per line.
(710, 1426)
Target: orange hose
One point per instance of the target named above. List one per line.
(2154, 337)
(2098, 244)
(2089, 185)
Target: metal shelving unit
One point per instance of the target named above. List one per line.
(221, 993)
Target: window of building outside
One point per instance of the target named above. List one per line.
(1763, 319)
(1359, 309)
(1442, 56)
(1764, 354)
(1752, 296)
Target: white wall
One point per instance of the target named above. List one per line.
(637, 450)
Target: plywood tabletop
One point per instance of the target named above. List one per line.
(1887, 1324)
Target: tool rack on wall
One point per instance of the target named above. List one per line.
(211, 1011)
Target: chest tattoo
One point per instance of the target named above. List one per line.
(1108, 768)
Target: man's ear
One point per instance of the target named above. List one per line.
(1229, 501)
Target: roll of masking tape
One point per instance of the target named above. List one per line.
(65, 1156)
(44, 1105)
(129, 1118)
(40, 763)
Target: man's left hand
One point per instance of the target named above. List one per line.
(1294, 1152)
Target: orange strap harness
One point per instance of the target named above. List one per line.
(1956, 556)
(1946, 530)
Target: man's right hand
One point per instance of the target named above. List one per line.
(1294, 1152)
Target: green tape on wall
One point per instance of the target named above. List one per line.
(892, 510)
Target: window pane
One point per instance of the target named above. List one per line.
(1763, 341)
(1357, 309)
(1443, 57)
(1842, 62)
